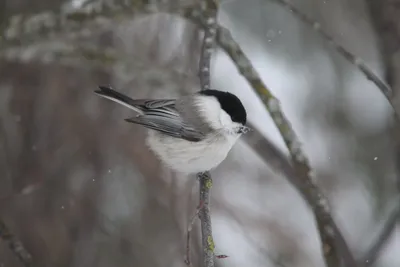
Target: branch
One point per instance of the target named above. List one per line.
(387, 91)
(358, 62)
(209, 10)
(15, 245)
(65, 53)
(70, 22)
(204, 214)
(188, 234)
(333, 244)
(390, 225)
(210, 29)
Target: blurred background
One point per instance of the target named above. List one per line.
(79, 187)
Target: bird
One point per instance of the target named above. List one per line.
(190, 134)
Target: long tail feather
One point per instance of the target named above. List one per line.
(108, 93)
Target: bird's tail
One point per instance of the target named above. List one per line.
(109, 93)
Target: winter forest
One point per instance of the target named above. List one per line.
(315, 183)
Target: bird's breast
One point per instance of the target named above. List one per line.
(191, 157)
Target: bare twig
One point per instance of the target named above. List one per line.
(385, 88)
(386, 27)
(204, 214)
(188, 240)
(188, 234)
(373, 253)
(209, 8)
(384, 17)
(69, 23)
(15, 245)
(64, 53)
(387, 91)
(209, 11)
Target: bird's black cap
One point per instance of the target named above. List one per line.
(230, 103)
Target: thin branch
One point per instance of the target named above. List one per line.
(209, 12)
(204, 214)
(369, 74)
(358, 62)
(20, 30)
(15, 245)
(390, 225)
(65, 53)
(385, 25)
(188, 235)
(209, 8)
(387, 91)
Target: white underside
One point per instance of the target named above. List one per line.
(191, 157)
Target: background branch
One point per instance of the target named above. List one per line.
(369, 74)
(209, 9)
(334, 246)
(390, 225)
(15, 245)
(385, 88)
(278, 161)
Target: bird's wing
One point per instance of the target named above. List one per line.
(156, 114)
(139, 105)
(168, 125)
(109, 93)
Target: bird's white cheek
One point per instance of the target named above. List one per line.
(225, 119)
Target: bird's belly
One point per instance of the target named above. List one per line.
(188, 157)
(200, 160)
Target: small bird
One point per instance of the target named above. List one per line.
(190, 134)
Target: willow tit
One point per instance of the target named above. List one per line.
(192, 133)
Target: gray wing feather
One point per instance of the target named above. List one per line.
(168, 125)
(139, 105)
(157, 114)
(158, 103)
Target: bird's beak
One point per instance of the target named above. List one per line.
(244, 129)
